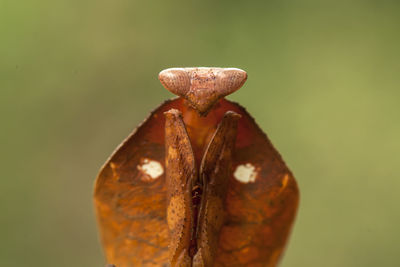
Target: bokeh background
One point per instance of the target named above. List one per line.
(76, 77)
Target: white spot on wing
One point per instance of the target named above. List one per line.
(245, 173)
(151, 168)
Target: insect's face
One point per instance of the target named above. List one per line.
(202, 87)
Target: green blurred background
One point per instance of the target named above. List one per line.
(77, 76)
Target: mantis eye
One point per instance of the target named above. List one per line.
(229, 80)
(175, 80)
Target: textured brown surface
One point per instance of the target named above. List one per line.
(132, 208)
(202, 87)
(181, 172)
(215, 171)
(196, 203)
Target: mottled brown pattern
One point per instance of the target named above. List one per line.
(202, 87)
(132, 208)
(215, 171)
(181, 172)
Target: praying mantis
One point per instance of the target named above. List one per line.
(198, 183)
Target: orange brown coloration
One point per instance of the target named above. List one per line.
(135, 215)
(215, 170)
(180, 176)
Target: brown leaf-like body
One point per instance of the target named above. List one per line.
(131, 201)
